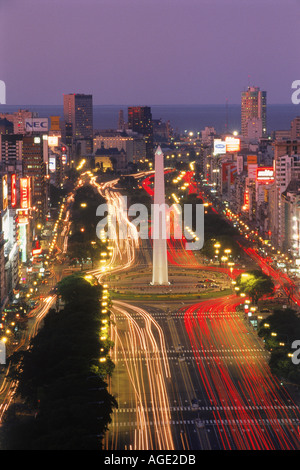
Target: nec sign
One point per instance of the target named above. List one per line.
(36, 125)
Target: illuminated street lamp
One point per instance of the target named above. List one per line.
(231, 266)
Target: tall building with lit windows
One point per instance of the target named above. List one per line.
(140, 121)
(78, 111)
(253, 106)
(35, 161)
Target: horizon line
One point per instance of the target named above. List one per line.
(162, 104)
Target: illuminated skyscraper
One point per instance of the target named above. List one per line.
(78, 111)
(140, 121)
(159, 223)
(253, 105)
(35, 160)
(121, 122)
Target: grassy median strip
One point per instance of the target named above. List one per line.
(170, 296)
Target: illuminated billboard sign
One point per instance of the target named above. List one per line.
(53, 141)
(252, 171)
(219, 147)
(52, 164)
(232, 144)
(54, 123)
(36, 251)
(23, 218)
(24, 193)
(246, 201)
(4, 192)
(13, 196)
(265, 175)
(36, 125)
(229, 172)
(251, 159)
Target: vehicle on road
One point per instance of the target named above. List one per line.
(199, 423)
(195, 404)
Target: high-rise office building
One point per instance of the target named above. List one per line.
(11, 146)
(253, 105)
(295, 128)
(78, 111)
(35, 159)
(287, 169)
(140, 121)
(121, 122)
(6, 126)
(18, 119)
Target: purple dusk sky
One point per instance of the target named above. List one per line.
(148, 51)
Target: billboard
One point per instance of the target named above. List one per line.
(251, 159)
(54, 123)
(252, 171)
(225, 171)
(13, 190)
(265, 175)
(229, 172)
(25, 193)
(240, 164)
(23, 217)
(52, 164)
(36, 125)
(233, 144)
(246, 201)
(219, 147)
(4, 192)
(53, 141)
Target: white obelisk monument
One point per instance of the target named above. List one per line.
(159, 224)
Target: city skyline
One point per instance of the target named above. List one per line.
(191, 52)
(149, 252)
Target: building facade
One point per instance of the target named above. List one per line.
(253, 106)
(140, 121)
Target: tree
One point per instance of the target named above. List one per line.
(61, 382)
(279, 330)
(256, 284)
(75, 287)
